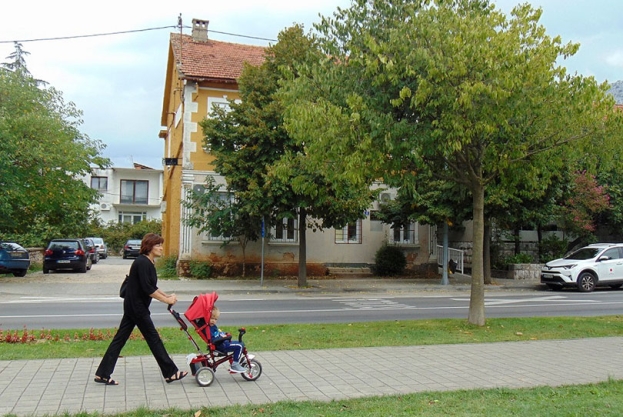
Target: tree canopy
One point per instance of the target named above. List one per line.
(42, 156)
(454, 88)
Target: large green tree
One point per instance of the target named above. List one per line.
(42, 155)
(270, 174)
(452, 86)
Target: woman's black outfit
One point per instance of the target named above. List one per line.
(142, 282)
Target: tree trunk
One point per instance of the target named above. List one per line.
(302, 248)
(486, 247)
(477, 299)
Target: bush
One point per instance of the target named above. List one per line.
(200, 269)
(520, 258)
(552, 248)
(116, 234)
(389, 260)
(167, 266)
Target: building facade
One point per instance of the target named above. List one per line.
(202, 73)
(127, 195)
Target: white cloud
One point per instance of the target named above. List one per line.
(616, 59)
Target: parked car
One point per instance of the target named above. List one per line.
(67, 254)
(599, 264)
(131, 248)
(14, 259)
(100, 246)
(92, 249)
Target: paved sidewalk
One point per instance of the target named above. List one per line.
(55, 386)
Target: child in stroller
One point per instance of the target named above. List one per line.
(203, 365)
(223, 343)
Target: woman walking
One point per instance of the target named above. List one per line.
(141, 288)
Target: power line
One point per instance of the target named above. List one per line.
(124, 32)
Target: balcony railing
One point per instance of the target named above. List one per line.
(456, 255)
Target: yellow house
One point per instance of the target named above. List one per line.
(202, 73)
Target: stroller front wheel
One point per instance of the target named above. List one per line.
(254, 370)
(204, 376)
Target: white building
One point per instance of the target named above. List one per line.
(127, 195)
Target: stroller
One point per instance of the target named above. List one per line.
(203, 365)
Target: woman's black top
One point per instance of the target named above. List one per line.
(143, 281)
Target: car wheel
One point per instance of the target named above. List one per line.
(586, 282)
(20, 273)
(96, 259)
(46, 271)
(84, 268)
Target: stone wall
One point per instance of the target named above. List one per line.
(524, 272)
(36, 255)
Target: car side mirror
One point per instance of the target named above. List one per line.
(603, 258)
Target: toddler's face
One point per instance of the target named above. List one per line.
(213, 320)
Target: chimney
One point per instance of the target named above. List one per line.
(200, 30)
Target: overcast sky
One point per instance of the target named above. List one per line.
(118, 81)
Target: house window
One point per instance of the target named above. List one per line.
(224, 200)
(99, 183)
(134, 192)
(351, 233)
(217, 102)
(131, 217)
(285, 231)
(405, 234)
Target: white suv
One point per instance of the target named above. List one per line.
(586, 268)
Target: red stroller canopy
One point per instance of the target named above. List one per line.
(201, 307)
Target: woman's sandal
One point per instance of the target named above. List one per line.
(176, 377)
(107, 381)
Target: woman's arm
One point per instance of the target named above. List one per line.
(164, 297)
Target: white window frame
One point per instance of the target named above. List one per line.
(288, 224)
(219, 101)
(344, 235)
(123, 216)
(405, 237)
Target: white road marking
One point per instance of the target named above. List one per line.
(505, 301)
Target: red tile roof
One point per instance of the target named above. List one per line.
(213, 60)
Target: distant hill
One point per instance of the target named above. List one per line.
(616, 90)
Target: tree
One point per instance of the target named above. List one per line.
(270, 174)
(42, 155)
(451, 86)
(220, 213)
(584, 202)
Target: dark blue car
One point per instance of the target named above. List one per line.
(67, 254)
(14, 259)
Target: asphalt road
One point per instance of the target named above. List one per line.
(76, 300)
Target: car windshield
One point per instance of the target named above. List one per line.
(584, 253)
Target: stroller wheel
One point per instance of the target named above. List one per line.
(204, 376)
(253, 371)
